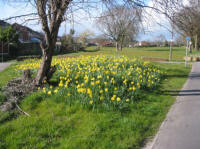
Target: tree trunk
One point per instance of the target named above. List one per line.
(45, 64)
(117, 47)
(121, 47)
(170, 51)
(196, 42)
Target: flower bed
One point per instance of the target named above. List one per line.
(99, 80)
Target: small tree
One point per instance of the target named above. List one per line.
(84, 36)
(120, 24)
(68, 40)
(160, 40)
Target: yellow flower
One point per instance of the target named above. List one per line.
(134, 88)
(127, 100)
(105, 83)
(101, 98)
(101, 91)
(51, 86)
(92, 83)
(91, 102)
(68, 94)
(113, 97)
(49, 92)
(55, 91)
(98, 81)
(118, 99)
(106, 89)
(60, 84)
(99, 76)
(38, 88)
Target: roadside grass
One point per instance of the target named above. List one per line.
(56, 124)
(152, 52)
(6, 75)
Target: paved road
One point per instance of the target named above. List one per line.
(4, 65)
(181, 128)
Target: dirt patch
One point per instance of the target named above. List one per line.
(153, 59)
(16, 90)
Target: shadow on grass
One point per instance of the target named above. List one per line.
(162, 50)
(181, 92)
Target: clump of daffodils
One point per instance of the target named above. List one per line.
(106, 80)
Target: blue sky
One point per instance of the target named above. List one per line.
(8, 10)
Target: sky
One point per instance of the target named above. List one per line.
(82, 21)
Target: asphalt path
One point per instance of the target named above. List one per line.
(4, 65)
(181, 128)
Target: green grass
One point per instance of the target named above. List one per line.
(153, 52)
(6, 75)
(56, 124)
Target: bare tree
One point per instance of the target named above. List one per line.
(84, 36)
(52, 13)
(187, 21)
(160, 40)
(184, 16)
(120, 23)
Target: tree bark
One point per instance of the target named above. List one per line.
(45, 64)
(117, 47)
(170, 51)
(196, 42)
(121, 47)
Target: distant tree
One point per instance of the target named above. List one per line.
(8, 34)
(180, 40)
(68, 39)
(120, 24)
(187, 21)
(185, 17)
(84, 36)
(166, 43)
(160, 40)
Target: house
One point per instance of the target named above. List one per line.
(106, 43)
(28, 35)
(142, 44)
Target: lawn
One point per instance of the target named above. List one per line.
(54, 123)
(152, 52)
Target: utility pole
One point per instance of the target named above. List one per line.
(171, 42)
(187, 46)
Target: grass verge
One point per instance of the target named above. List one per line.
(55, 124)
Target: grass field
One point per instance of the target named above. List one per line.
(56, 124)
(152, 52)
